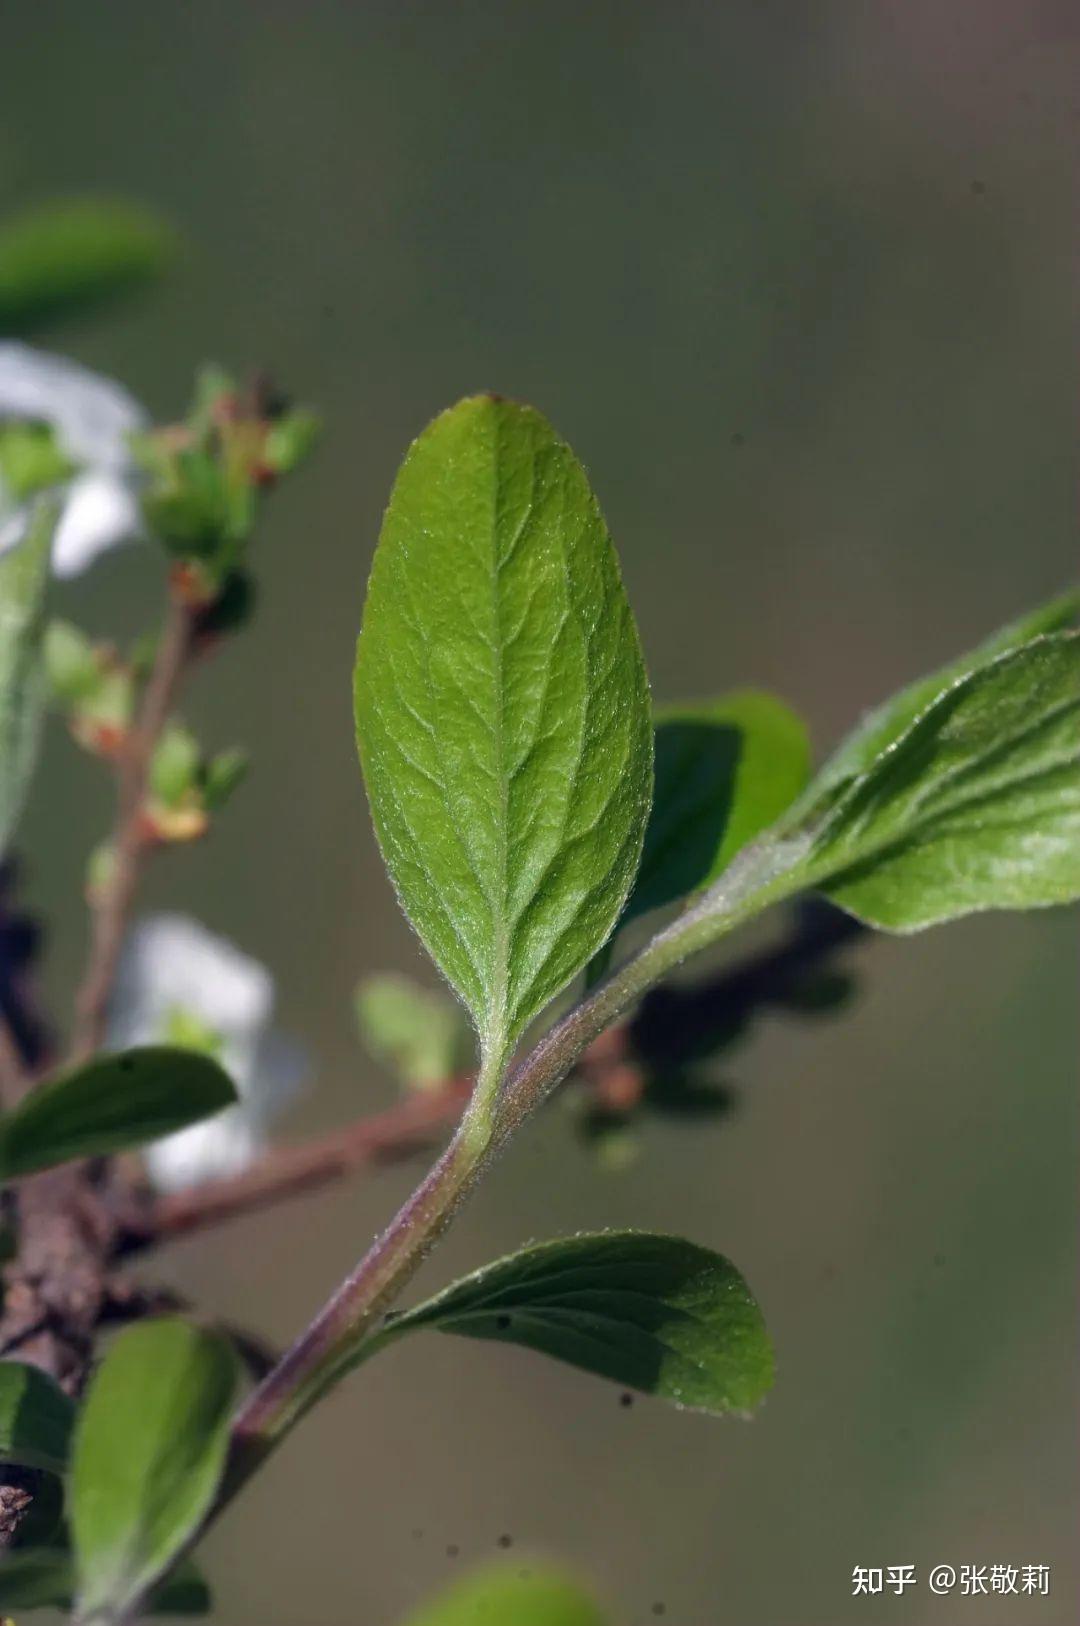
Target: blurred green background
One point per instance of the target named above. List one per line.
(796, 284)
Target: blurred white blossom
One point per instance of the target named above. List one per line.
(92, 418)
(179, 984)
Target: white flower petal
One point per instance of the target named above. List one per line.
(171, 964)
(93, 416)
(211, 1151)
(101, 511)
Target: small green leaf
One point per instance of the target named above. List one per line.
(30, 459)
(725, 771)
(149, 1451)
(72, 664)
(61, 257)
(24, 576)
(421, 1034)
(883, 727)
(222, 775)
(498, 1596)
(502, 711)
(45, 1579)
(652, 1312)
(977, 806)
(35, 1418)
(111, 1104)
(175, 766)
(290, 439)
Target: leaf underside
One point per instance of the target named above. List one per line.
(976, 807)
(888, 722)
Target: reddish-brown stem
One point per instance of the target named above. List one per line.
(112, 902)
(290, 1170)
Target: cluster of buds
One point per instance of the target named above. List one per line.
(93, 686)
(203, 479)
(186, 787)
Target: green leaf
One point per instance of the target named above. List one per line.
(977, 806)
(174, 768)
(72, 664)
(884, 726)
(111, 1104)
(419, 1033)
(44, 1579)
(35, 1418)
(502, 711)
(59, 258)
(498, 1596)
(24, 576)
(30, 459)
(652, 1312)
(39, 1578)
(223, 774)
(725, 771)
(149, 1452)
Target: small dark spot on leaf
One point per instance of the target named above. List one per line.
(502, 1322)
(626, 1399)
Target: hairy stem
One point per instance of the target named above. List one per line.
(325, 1348)
(759, 877)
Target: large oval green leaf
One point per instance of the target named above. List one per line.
(652, 1312)
(112, 1104)
(502, 711)
(977, 806)
(149, 1451)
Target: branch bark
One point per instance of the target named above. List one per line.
(56, 1287)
